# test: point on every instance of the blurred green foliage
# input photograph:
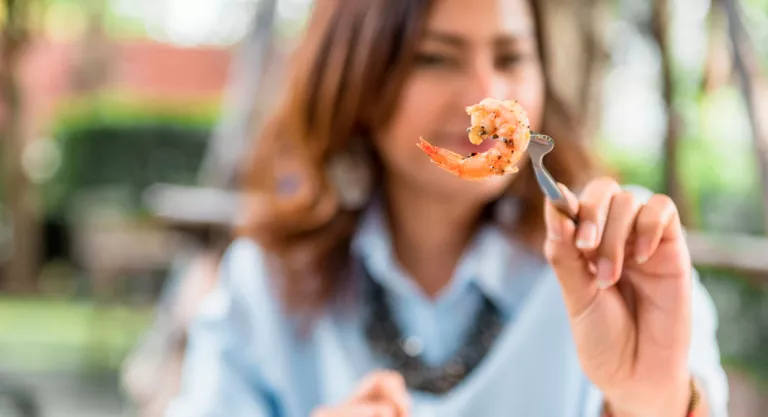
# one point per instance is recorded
(84, 334)
(716, 163)
(114, 145)
(742, 308)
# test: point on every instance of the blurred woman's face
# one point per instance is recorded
(471, 50)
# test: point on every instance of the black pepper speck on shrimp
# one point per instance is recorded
(503, 121)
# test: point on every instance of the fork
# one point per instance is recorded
(539, 146)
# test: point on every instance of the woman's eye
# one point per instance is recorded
(434, 60)
(510, 60)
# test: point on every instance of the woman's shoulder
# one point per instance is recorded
(242, 257)
(246, 280)
(244, 268)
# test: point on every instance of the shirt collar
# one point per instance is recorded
(498, 265)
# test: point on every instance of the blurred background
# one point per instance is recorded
(122, 125)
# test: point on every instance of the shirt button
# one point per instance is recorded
(413, 346)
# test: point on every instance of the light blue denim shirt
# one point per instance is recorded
(245, 357)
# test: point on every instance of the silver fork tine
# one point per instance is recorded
(539, 146)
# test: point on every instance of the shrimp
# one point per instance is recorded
(503, 121)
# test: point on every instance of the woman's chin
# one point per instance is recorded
(480, 191)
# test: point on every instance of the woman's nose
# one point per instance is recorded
(484, 81)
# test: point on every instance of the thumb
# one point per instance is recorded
(567, 261)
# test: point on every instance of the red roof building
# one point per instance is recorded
(141, 70)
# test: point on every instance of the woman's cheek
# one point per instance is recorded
(530, 92)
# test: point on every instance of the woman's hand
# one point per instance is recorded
(625, 272)
(381, 394)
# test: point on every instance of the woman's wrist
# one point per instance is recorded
(680, 402)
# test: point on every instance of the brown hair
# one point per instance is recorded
(347, 76)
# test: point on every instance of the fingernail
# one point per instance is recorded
(641, 251)
(587, 236)
(604, 273)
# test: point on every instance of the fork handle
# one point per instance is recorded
(554, 194)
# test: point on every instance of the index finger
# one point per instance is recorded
(568, 262)
(386, 386)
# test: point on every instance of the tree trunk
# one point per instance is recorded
(92, 69)
(592, 24)
(21, 270)
(660, 22)
(754, 88)
(232, 135)
(576, 55)
(718, 68)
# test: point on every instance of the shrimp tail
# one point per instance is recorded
(445, 159)
(505, 122)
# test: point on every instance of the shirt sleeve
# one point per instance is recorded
(218, 379)
(704, 355)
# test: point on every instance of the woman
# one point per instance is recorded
(479, 298)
